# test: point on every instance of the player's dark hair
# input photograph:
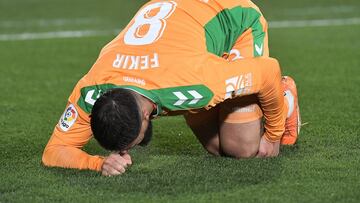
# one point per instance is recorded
(116, 119)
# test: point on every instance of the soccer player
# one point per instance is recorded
(205, 59)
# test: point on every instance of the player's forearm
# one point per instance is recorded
(70, 157)
(271, 97)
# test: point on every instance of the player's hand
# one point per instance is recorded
(267, 148)
(116, 164)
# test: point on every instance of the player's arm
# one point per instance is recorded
(69, 136)
(261, 76)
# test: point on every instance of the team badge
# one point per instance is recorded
(68, 118)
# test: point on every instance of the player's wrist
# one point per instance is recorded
(96, 163)
(271, 139)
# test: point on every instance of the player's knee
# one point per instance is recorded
(212, 148)
(240, 151)
(248, 152)
(241, 140)
(240, 148)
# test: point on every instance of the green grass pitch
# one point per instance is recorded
(37, 76)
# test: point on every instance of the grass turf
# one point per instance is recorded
(37, 76)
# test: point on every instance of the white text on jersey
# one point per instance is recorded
(136, 62)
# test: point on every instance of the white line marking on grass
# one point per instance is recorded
(54, 35)
(314, 23)
(91, 33)
(47, 22)
(318, 10)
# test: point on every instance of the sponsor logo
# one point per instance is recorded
(68, 118)
(238, 85)
(134, 80)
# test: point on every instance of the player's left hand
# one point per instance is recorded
(267, 148)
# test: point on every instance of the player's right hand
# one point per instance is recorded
(115, 164)
(267, 148)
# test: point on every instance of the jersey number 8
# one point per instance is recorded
(149, 24)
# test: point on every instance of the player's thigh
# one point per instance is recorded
(205, 126)
(240, 126)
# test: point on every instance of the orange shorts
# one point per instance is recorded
(240, 110)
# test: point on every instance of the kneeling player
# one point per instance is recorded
(235, 127)
(168, 60)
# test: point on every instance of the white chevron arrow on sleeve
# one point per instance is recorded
(259, 49)
(88, 97)
(182, 98)
(196, 96)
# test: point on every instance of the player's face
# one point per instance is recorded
(147, 136)
(144, 136)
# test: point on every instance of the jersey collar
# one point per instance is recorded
(147, 94)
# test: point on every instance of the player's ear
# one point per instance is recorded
(146, 114)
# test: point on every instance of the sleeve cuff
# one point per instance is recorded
(96, 162)
(272, 138)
